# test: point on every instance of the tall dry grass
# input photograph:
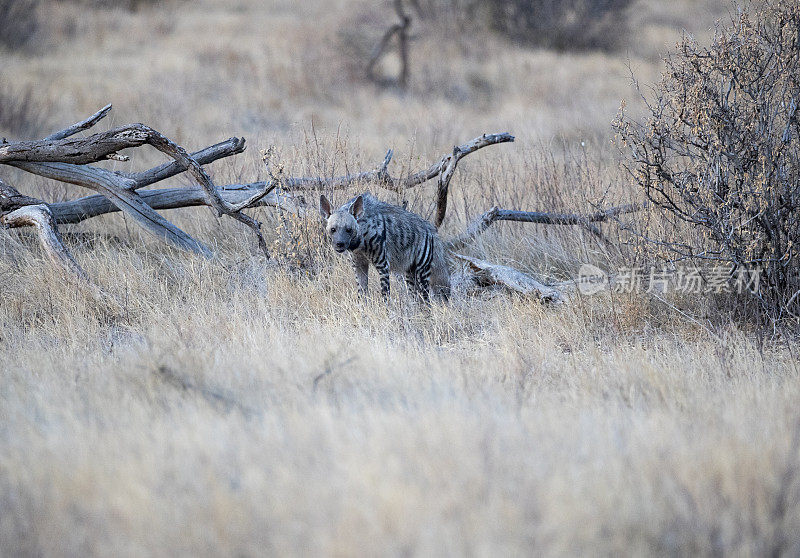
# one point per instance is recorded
(244, 406)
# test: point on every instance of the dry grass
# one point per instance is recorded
(244, 407)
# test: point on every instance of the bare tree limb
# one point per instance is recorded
(484, 221)
(66, 158)
(40, 156)
(231, 146)
(77, 151)
(381, 175)
(11, 199)
(78, 210)
(119, 191)
(436, 169)
(40, 217)
(82, 125)
(443, 186)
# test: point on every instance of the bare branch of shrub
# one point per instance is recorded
(719, 154)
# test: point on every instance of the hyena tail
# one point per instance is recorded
(440, 274)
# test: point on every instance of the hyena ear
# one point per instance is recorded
(358, 207)
(324, 206)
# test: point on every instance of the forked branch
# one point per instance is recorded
(63, 157)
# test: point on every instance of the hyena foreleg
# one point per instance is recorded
(382, 265)
(361, 268)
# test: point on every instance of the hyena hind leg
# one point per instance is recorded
(422, 282)
(383, 272)
(411, 280)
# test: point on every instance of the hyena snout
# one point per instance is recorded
(342, 235)
(341, 225)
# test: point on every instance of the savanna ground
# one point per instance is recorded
(241, 406)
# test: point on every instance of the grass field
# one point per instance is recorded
(240, 406)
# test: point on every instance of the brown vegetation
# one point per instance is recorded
(720, 152)
(241, 405)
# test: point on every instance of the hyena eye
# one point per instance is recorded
(349, 229)
(333, 229)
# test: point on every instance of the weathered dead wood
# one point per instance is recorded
(381, 176)
(248, 194)
(230, 146)
(437, 168)
(77, 151)
(11, 199)
(495, 214)
(119, 190)
(235, 195)
(82, 125)
(78, 210)
(65, 158)
(39, 216)
(487, 274)
(444, 185)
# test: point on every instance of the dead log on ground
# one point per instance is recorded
(487, 274)
(40, 217)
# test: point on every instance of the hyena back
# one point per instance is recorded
(393, 240)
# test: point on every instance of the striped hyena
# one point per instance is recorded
(393, 239)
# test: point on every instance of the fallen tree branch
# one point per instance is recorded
(11, 199)
(118, 190)
(78, 210)
(487, 274)
(40, 217)
(65, 158)
(82, 125)
(437, 168)
(484, 221)
(253, 194)
(381, 175)
(231, 146)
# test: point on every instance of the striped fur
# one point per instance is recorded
(393, 240)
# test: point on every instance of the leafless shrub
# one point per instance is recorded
(719, 153)
(18, 22)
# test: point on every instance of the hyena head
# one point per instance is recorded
(342, 224)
